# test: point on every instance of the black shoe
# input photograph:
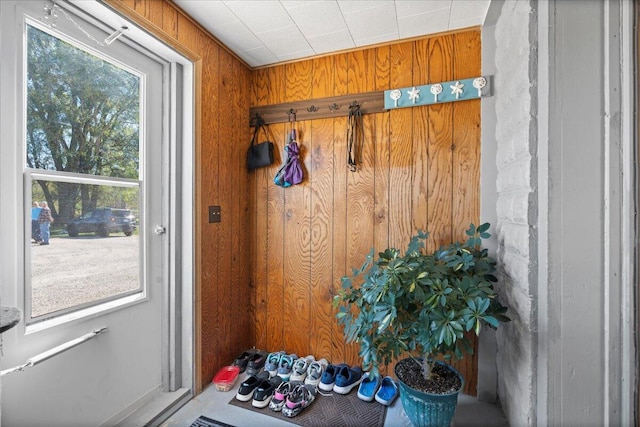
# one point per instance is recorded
(264, 392)
(248, 386)
(242, 360)
(43, 243)
(256, 362)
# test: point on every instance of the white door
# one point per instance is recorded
(84, 129)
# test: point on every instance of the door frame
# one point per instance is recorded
(177, 346)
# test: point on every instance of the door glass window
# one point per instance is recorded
(83, 176)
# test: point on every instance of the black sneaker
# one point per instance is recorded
(256, 362)
(242, 360)
(248, 386)
(264, 392)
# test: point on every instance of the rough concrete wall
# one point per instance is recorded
(515, 136)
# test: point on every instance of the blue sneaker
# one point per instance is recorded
(387, 392)
(272, 362)
(286, 365)
(328, 379)
(347, 378)
(369, 387)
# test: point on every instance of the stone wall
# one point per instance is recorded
(515, 97)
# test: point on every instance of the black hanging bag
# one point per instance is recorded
(261, 154)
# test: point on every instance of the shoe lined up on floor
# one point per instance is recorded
(387, 392)
(347, 378)
(299, 398)
(300, 368)
(314, 373)
(369, 387)
(264, 392)
(256, 362)
(252, 359)
(280, 395)
(285, 366)
(328, 379)
(272, 362)
(249, 385)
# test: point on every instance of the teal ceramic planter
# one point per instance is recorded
(426, 409)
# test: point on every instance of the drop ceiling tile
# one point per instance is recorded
(382, 38)
(464, 23)
(315, 19)
(208, 13)
(331, 42)
(260, 16)
(461, 10)
(425, 23)
(350, 6)
(372, 23)
(290, 4)
(418, 7)
(296, 55)
(236, 36)
(258, 56)
(284, 41)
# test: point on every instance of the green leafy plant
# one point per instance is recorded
(420, 304)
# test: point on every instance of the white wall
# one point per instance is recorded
(566, 197)
(514, 106)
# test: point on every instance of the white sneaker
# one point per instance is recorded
(300, 367)
(314, 373)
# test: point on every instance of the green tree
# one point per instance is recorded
(82, 117)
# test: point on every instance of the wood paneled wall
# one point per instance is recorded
(420, 170)
(266, 274)
(223, 251)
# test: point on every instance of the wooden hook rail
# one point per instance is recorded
(321, 108)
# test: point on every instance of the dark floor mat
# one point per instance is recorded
(334, 410)
(203, 421)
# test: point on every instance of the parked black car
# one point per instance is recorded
(103, 221)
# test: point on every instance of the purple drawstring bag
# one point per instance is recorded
(290, 173)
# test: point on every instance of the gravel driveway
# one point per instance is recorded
(72, 271)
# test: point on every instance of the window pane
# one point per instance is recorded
(93, 256)
(82, 111)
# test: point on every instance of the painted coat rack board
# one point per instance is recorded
(375, 102)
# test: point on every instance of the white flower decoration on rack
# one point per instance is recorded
(456, 89)
(414, 94)
(479, 83)
(436, 90)
(395, 94)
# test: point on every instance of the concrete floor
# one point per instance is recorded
(214, 404)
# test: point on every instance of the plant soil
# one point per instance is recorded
(443, 380)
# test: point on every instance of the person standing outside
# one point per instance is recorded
(44, 219)
(35, 226)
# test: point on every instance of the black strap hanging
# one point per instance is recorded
(355, 137)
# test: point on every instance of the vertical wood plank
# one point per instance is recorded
(259, 236)
(321, 188)
(360, 184)
(382, 152)
(466, 137)
(340, 268)
(420, 171)
(275, 227)
(439, 148)
(401, 155)
(206, 188)
(297, 248)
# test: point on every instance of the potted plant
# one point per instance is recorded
(421, 306)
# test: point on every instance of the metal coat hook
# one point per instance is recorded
(290, 113)
(312, 109)
(334, 107)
